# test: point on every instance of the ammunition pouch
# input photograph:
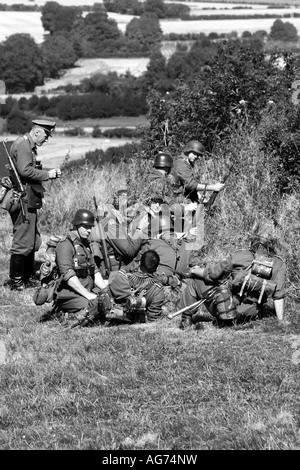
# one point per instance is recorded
(135, 309)
(83, 272)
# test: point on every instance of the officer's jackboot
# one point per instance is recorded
(16, 272)
(29, 271)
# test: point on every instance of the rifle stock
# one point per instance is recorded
(103, 240)
(16, 182)
(212, 198)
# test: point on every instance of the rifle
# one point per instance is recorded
(184, 309)
(16, 182)
(212, 198)
(102, 237)
(208, 296)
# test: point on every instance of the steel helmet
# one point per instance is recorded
(83, 217)
(194, 146)
(163, 160)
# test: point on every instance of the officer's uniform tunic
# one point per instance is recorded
(26, 238)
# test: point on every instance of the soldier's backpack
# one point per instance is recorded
(256, 281)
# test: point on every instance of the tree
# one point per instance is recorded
(58, 53)
(145, 32)
(124, 7)
(99, 35)
(21, 63)
(209, 107)
(156, 73)
(56, 17)
(17, 121)
(281, 31)
(155, 6)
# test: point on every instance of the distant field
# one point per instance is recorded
(190, 4)
(55, 151)
(29, 22)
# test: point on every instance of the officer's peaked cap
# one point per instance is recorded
(48, 126)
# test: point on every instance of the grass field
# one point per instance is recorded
(143, 386)
(150, 387)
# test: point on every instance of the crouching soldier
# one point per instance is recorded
(81, 280)
(247, 284)
(135, 297)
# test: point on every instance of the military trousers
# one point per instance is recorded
(26, 236)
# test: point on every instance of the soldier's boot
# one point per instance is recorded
(81, 320)
(29, 272)
(16, 272)
(105, 305)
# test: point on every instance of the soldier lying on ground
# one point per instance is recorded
(247, 284)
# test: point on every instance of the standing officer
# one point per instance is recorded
(26, 238)
(81, 280)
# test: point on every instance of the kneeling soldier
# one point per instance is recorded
(80, 279)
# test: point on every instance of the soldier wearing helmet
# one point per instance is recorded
(81, 280)
(160, 183)
(187, 184)
(249, 283)
(26, 238)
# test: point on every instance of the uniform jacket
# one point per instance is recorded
(162, 186)
(186, 181)
(174, 255)
(241, 260)
(23, 153)
(121, 247)
(74, 258)
(228, 269)
(122, 283)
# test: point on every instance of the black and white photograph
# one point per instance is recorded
(150, 227)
